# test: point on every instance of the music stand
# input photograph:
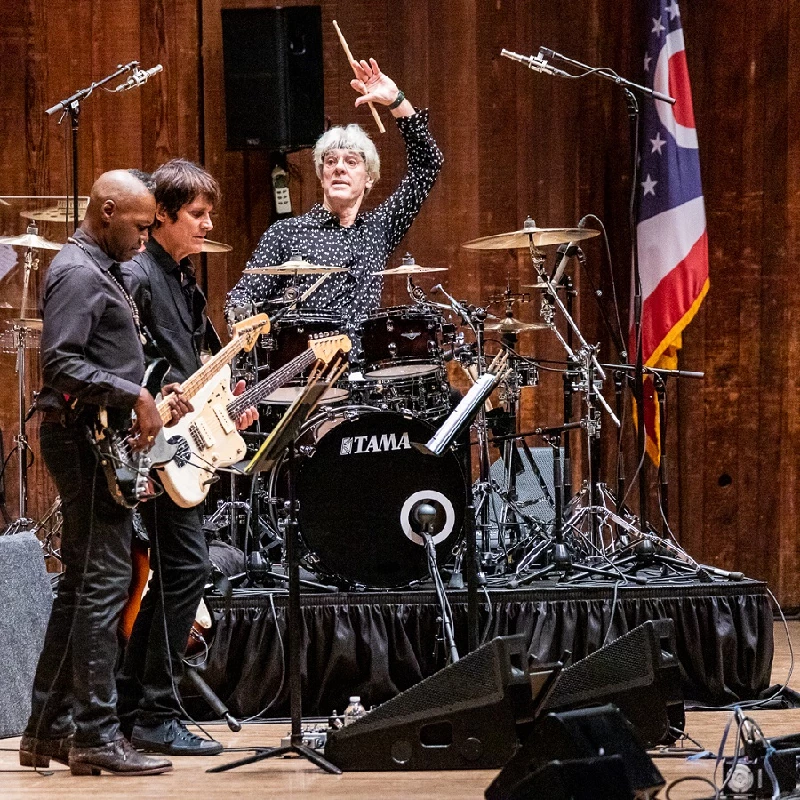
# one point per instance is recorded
(282, 438)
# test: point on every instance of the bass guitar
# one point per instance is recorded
(207, 439)
(127, 473)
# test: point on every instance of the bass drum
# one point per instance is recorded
(359, 486)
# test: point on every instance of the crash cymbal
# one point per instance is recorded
(30, 240)
(61, 212)
(512, 325)
(409, 269)
(294, 267)
(522, 237)
(31, 323)
(210, 246)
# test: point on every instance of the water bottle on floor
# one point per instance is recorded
(354, 710)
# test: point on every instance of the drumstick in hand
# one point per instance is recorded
(350, 58)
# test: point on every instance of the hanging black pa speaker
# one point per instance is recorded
(639, 673)
(463, 717)
(273, 77)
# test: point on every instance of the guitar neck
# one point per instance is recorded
(266, 387)
(195, 382)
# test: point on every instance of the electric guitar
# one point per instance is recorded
(207, 439)
(126, 472)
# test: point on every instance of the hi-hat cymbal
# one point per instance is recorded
(512, 325)
(294, 267)
(210, 246)
(540, 285)
(30, 240)
(409, 269)
(523, 237)
(62, 212)
(31, 323)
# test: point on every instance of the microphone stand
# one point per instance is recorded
(72, 106)
(632, 92)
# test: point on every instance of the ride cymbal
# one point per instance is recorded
(30, 240)
(512, 325)
(523, 237)
(210, 246)
(294, 267)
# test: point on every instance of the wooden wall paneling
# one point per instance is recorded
(115, 130)
(788, 468)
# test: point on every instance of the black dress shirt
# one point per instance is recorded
(90, 347)
(364, 248)
(172, 308)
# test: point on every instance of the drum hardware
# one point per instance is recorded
(425, 513)
(61, 212)
(21, 329)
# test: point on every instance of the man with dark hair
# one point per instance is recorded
(173, 310)
(92, 360)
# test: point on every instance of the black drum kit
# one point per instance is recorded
(363, 474)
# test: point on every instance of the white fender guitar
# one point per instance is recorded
(207, 439)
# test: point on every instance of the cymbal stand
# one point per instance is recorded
(21, 331)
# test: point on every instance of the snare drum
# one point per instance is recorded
(400, 342)
(288, 339)
(426, 396)
(359, 482)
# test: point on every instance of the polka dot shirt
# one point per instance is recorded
(363, 248)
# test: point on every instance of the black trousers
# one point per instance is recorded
(74, 683)
(153, 656)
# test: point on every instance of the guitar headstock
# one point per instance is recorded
(250, 329)
(327, 345)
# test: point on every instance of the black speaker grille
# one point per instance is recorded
(477, 679)
(629, 662)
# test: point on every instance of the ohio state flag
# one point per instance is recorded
(671, 224)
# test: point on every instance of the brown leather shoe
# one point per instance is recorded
(117, 757)
(38, 752)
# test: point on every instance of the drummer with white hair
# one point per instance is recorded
(337, 232)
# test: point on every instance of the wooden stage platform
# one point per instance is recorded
(298, 780)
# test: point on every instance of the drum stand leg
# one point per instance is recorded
(295, 745)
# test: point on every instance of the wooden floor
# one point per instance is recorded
(297, 780)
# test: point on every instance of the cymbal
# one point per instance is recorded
(540, 285)
(409, 269)
(30, 240)
(512, 325)
(523, 237)
(31, 323)
(210, 246)
(62, 212)
(294, 267)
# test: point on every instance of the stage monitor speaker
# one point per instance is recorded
(587, 754)
(272, 60)
(639, 673)
(463, 717)
(25, 601)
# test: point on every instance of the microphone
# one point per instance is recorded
(536, 63)
(138, 77)
(457, 307)
(564, 253)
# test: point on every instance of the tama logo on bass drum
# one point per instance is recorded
(382, 443)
